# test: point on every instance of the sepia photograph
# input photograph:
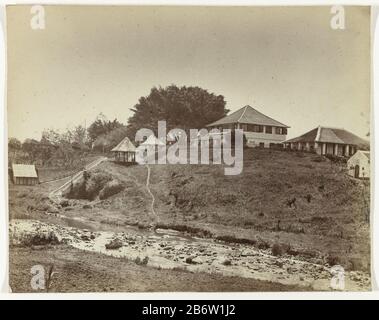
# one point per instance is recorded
(188, 148)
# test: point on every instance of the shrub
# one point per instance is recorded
(333, 260)
(277, 249)
(141, 262)
(262, 244)
(111, 188)
(90, 186)
(227, 262)
(40, 238)
(95, 183)
(114, 244)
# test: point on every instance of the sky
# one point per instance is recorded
(287, 62)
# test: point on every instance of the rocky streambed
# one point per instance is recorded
(169, 249)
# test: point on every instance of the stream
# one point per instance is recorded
(169, 249)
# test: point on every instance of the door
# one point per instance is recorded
(356, 171)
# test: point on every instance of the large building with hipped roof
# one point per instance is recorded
(260, 130)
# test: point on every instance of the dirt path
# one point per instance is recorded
(156, 217)
(56, 194)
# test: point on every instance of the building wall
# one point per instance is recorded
(124, 156)
(25, 181)
(254, 139)
(258, 139)
(323, 148)
(363, 163)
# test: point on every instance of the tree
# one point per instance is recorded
(102, 126)
(108, 141)
(14, 144)
(184, 108)
(50, 136)
(79, 137)
(32, 147)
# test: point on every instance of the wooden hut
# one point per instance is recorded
(25, 174)
(125, 151)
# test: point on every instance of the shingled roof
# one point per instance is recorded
(248, 115)
(125, 146)
(330, 135)
(24, 170)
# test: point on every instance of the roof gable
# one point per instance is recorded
(367, 154)
(309, 136)
(360, 154)
(248, 115)
(125, 146)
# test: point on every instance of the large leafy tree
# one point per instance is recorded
(102, 126)
(181, 107)
(107, 141)
(14, 144)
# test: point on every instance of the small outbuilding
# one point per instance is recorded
(125, 151)
(359, 165)
(24, 174)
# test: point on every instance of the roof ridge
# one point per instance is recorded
(243, 112)
(332, 128)
(267, 116)
(318, 133)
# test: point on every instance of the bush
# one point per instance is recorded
(333, 260)
(95, 183)
(277, 249)
(90, 186)
(40, 239)
(111, 188)
(141, 262)
(114, 244)
(227, 262)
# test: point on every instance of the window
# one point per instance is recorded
(261, 145)
(257, 128)
(268, 129)
(280, 130)
(244, 127)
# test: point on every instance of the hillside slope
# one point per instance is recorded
(295, 203)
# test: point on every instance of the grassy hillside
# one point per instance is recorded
(327, 220)
(295, 203)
